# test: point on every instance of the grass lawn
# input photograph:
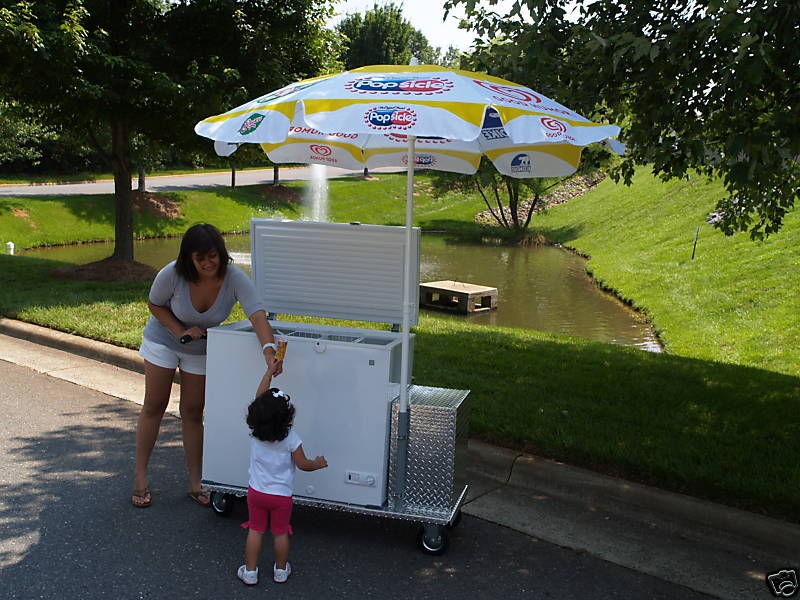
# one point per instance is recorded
(722, 424)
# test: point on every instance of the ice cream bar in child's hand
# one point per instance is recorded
(281, 352)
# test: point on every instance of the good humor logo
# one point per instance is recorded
(521, 96)
(521, 163)
(251, 123)
(408, 85)
(390, 117)
(783, 583)
(555, 129)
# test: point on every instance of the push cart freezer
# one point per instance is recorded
(345, 382)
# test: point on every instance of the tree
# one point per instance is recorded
(382, 36)
(510, 201)
(126, 67)
(697, 86)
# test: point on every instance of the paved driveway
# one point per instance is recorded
(67, 529)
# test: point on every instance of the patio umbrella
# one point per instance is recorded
(376, 116)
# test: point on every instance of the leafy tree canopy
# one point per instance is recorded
(706, 85)
(153, 68)
(382, 36)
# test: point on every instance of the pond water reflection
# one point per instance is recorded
(542, 288)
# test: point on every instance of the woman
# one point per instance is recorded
(189, 295)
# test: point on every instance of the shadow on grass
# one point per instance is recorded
(719, 431)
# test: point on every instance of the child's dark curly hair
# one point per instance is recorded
(270, 416)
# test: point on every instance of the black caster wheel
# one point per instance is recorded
(221, 504)
(433, 539)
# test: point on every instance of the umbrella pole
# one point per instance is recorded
(403, 420)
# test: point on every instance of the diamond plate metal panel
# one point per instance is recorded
(437, 443)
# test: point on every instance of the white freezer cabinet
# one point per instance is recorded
(341, 381)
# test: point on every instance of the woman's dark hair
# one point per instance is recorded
(270, 416)
(201, 238)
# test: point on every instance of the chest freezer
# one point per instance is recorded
(342, 380)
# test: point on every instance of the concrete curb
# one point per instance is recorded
(621, 496)
(100, 351)
(593, 491)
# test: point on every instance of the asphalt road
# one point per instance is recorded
(67, 529)
(167, 183)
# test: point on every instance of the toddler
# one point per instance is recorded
(275, 451)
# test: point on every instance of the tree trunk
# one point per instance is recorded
(275, 178)
(123, 212)
(142, 184)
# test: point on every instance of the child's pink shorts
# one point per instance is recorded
(268, 509)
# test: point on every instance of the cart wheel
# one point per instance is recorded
(433, 539)
(455, 522)
(221, 504)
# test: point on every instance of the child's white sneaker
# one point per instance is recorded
(247, 577)
(281, 575)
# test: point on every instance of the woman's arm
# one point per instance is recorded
(304, 464)
(265, 336)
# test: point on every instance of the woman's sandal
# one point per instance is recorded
(203, 497)
(141, 498)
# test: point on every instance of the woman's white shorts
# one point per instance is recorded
(162, 356)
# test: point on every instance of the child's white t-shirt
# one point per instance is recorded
(271, 465)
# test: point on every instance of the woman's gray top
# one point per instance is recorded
(172, 291)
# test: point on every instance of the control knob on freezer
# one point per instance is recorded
(319, 347)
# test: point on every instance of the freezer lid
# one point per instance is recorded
(335, 270)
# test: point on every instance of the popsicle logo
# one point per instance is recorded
(423, 161)
(406, 85)
(390, 117)
(401, 138)
(521, 163)
(320, 150)
(251, 123)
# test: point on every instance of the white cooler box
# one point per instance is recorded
(342, 380)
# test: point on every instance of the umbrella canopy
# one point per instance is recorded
(355, 151)
(362, 118)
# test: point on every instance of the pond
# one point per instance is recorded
(543, 288)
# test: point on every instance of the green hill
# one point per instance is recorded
(737, 301)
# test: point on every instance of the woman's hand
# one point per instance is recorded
(195, 333)
(275, 365)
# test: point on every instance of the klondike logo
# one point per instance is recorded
(251, 123)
